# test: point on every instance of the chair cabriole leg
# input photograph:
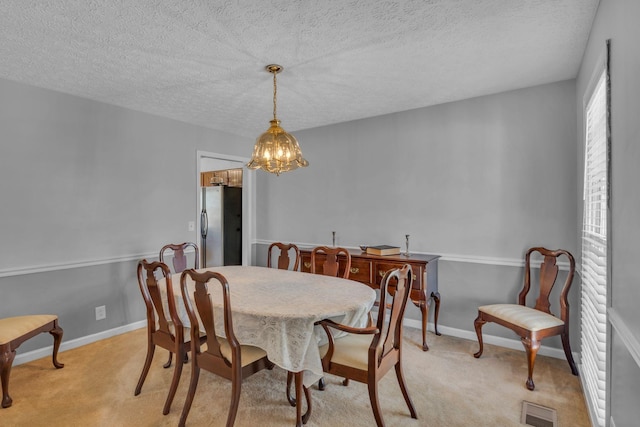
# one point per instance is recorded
(478, 323)
(531, 346)
(6, 360)
(57, 339)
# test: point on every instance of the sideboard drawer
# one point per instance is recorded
(361, 271)
(305, 265)
(382, 268)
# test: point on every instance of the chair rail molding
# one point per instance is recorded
(20, 271)
(507, 262)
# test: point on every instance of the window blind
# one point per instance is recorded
(594, 251)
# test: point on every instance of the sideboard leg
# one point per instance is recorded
(436, 298)
(424, 308)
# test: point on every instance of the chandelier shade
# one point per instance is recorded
(276, 150)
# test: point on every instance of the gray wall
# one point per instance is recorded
(478, 181)
(487, 177)
(87, 189)
(618, 20)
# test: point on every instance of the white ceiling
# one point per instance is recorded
(202, 61)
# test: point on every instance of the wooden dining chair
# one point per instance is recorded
(223, 356)
(325, 260)
(284, 260)
(367, 354)
(164, 329)
(533, 324)
(16, 330)
(179, 258)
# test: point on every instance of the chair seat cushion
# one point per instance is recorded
(15, 327)
(248, 353)
(350, 350)
(524, 317)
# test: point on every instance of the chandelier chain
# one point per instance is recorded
(275, 91)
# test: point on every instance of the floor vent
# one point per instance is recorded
(538, 416)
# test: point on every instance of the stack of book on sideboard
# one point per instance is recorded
(383, 250)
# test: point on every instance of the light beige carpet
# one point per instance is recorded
(449, 388)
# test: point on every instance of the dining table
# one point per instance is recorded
(277, 310)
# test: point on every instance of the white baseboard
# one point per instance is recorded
(78, 342)
(489, 339)
(411, 323)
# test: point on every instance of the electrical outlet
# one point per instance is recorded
(101, 312)
(191, 226)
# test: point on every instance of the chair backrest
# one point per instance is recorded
(331, 266)
(284, 261)
(179, 257)
(548, 276)
(149, 274)
(395, 286)
(200, 311)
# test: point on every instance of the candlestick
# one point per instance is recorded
(406, 236)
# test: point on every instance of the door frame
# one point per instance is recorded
(248, 197)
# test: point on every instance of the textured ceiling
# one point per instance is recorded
(202, 61)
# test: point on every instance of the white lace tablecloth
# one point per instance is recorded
(276, 311)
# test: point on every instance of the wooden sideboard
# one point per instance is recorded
(370, 269)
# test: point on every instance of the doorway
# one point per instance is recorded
(207, 162)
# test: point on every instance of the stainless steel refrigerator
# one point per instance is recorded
(221, 226)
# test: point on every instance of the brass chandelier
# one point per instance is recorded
(276, 150)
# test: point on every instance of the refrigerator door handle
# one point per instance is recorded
(204, 223)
